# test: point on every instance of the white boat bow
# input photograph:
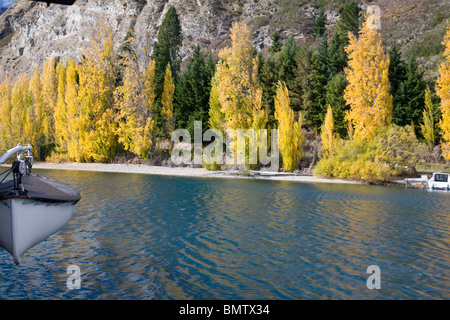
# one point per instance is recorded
(32, 208)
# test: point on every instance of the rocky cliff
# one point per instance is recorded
(32, 31)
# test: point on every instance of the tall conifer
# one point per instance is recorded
(166, 52)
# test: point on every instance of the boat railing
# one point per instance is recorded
(19, 149)
(19, 167)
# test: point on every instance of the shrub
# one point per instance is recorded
(212, 167)
(57, 157)
(386, 155)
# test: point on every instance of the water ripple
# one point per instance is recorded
(150, 237)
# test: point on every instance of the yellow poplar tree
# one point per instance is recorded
(216, 117)
(428, 121)
(5, 114)
(145, 139)
(291, 137)
(97, 76)
(443, 91)
(16, 108)
(368, 87)
(76, 125)
(239, 92)
(38, 105)
(20, 104)
(60, 114)
(49, 82)
(237, 74)
(167, 100)
(28, 116)
(327, 134)
(137, 95)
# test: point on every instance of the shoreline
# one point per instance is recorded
(188, 172)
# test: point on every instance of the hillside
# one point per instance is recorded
(31, 31)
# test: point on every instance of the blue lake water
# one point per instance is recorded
(154, 237)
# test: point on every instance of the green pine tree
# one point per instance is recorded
(192, 92)
(319, 74)
(268, 79)
(336, 54)
(276, 43)
(409, 97)
(318, 80)
(287, 59)
(416, 87)
(300, 92)
(165, 52)
(323, 54)
(335, 98)
(349, 21)
(278, 66)
(166, 49)
(319, 27)
(397, 71)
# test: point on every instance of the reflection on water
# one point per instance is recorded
(151, 237)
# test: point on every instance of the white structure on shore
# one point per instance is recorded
(438, 181)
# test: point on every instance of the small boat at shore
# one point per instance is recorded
(438, 181)
(32, 208)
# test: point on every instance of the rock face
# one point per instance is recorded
(31, 32)
(63, 31)
(34, 31)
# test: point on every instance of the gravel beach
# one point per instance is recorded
(187, 172)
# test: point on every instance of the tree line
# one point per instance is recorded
(345, 87)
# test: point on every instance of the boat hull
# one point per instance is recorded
(433, 185)
(27, 222)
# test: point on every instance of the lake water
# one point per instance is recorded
(154, 237)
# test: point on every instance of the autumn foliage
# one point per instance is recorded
(91, 109)
(443, 91)
(134, 99)
(167, 99)
(328, 135)
(237, 87)
(368, 87)
(239, 91)
(428, 119)
(291, 137)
